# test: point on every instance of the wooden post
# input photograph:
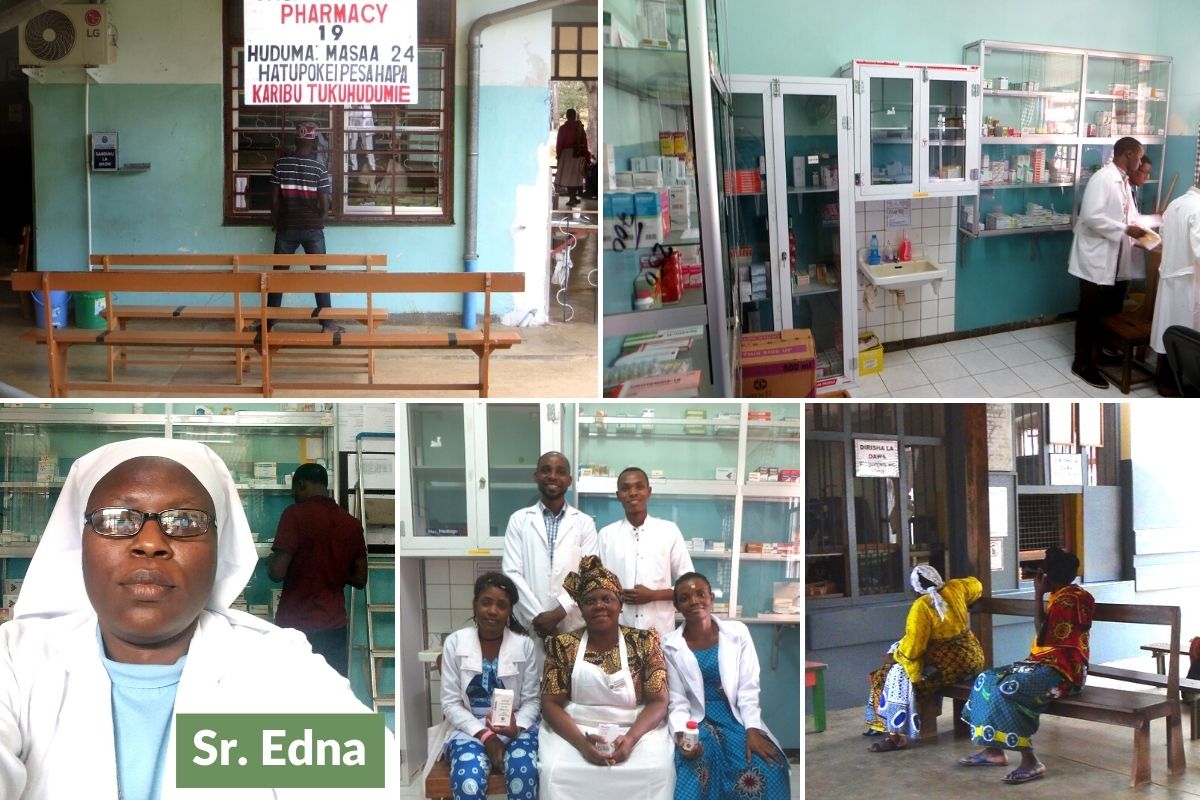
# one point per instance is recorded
(975, 470)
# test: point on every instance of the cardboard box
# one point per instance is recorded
(779, 364)
(870, 354)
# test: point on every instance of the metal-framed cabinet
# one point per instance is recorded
(726, 473)
(1051, 118)
(797, 249)
(916, 129)
(464, 469)
(667, 135)
(261, 444)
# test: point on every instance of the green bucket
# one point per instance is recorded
(89, 310)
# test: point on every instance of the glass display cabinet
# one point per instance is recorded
(667, 322)
(466, 469)
(726, 473)
(796, 260)
(917, 131)
(1051, 117)
(261, 444)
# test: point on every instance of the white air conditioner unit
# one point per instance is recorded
(68, 36)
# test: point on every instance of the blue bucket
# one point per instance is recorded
(58, 308)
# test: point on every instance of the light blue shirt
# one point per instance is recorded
(143, 705)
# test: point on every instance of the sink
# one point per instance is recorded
(902, 275)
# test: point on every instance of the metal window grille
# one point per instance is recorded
(1040, 522)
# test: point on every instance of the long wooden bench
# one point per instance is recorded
(1131, 709)
(119, 315)
(266, 342)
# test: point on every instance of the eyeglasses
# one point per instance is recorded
(124, 523)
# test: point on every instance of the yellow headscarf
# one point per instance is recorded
(592, 575)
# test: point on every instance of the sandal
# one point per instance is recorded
(980, 760)
(886, 746)
(1026, 774)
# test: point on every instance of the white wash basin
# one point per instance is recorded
(902, 275)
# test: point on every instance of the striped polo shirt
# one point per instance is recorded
(300, 181)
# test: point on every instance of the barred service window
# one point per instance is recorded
(389, 163)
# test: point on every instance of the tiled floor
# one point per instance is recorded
(1032, 362)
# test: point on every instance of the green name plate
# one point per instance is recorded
(279, 751)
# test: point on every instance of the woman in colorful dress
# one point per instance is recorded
(494, 654)
(1005, 704)
(938, 648)
(713, 676)
(604, 700)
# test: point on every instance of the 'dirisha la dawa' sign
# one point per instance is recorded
(344, 53)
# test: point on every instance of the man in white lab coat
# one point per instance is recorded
(1176, 288)
(1101, 251)
(542, 544)
(647, 554)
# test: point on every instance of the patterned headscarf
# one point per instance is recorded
(931, 575)
(592, 575)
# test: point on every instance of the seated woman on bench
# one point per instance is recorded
(1006, 702)
(938, 648)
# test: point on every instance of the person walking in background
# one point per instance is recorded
(1100, 252)
(300, 202)
(573, 157)
(647, 554)
(319, 549)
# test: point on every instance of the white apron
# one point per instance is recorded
(598, 697)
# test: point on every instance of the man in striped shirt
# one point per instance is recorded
(299, 205)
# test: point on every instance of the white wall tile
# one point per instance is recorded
(930, 218)
(875, 220)
(912, 329)
(892, 332)
(439, 621)
(462, 570)
(948, 201)
(916, 235)
(437, 597)
(437, 570)
(947, 236)
(931, 247)
(875, 317)
(876, 205)
(945, 324)
(947, 216)
(461, 597)
(929, 326)
(945, 306)
(947, 254)
(929, 309)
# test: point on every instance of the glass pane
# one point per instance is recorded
(617, 436)
(823, 416)
(568, 37)
(514, 440)
(873, 418)
(591, 37)
(755, 280)
(928, 515)
(773, 442)
(568, 65)
(947, 130)
(891, 130)
(439, 473)
(769, 582)
(877, 534)
(1031, 92)
(1025, 186)
(814, 225)
(826, 570)
(1126, 97)
(590, 66)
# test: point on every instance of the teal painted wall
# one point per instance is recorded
(763, 37)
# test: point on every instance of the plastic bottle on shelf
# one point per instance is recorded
(905, 253)
(873, 253)
(791, 247)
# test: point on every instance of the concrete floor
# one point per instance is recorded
(557, 360)
(1083, 760)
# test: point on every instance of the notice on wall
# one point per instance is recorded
(899, 214)
(997, 551)
(1066, 469)
(341, 53)
(876, 459)
(997, 511)
(1000, 437)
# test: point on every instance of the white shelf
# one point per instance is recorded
(607, 485)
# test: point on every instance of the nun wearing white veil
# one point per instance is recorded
(938, 648)
(124, 620)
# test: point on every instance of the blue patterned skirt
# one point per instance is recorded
(1006, 703)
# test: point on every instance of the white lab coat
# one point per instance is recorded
(655, 558)
(539, 578)
(1175, 303)
(738, 661)
(517, 668)
(56, 728)
(598, 698)
(1101, 249)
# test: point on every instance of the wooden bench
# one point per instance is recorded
(437, 784)
(1131, 709)
(266, 342)
(118, 316)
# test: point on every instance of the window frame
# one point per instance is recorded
(337, 137)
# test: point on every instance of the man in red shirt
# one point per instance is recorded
(318, 549)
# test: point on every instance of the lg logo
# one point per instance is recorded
(760, 384)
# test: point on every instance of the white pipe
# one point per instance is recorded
(87, 163)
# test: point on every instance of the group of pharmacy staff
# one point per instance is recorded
(610, 698)
(124, 621)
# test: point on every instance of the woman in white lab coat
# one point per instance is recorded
(604, 701)
(124, 620)
(493, 654)
(713, 671)
(1175, 302)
